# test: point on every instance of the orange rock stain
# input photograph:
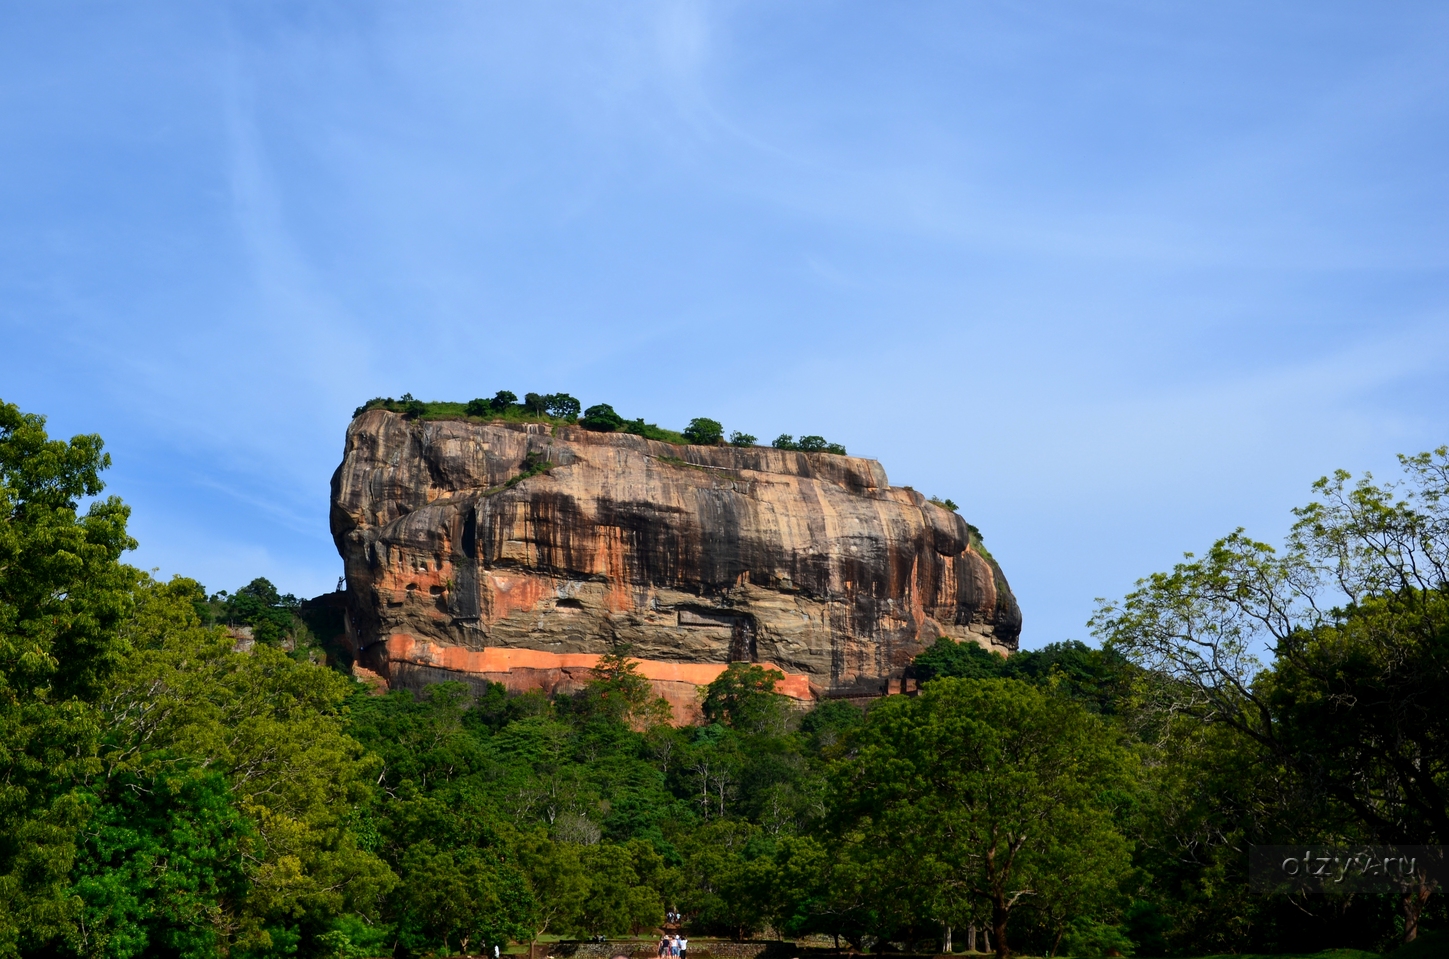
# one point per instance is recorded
(522, 669)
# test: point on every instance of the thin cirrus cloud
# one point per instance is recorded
(1118, 277)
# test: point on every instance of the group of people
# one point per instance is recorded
(673, 947)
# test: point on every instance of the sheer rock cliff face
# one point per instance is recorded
(690, 557)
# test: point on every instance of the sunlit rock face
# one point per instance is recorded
(689, 557)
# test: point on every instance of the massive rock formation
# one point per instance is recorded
(519, 552)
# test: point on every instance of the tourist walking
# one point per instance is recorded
(683, 947)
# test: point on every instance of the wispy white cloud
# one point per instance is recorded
(1084, 264)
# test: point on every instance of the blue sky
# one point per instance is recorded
(1116, 277)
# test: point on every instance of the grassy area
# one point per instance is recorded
(1429, 945)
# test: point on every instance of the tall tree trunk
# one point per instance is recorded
(1414, 901)
(998, 927)
(946, 940)
(971, 937)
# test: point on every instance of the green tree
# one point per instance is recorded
(351, 937)
(63, 592)
(561, 405)
(811, 444)
(272, 616)
(785, 442)
(1355, 611)
(160, 864)
(502, 400)
(829, 724)
(462, 896)
(556, 877)
(703, 431)
(478, 407)
(601, 418)
(743, 697)
(742, 439)
(712, 767)
(1102, 679)
(983, 787)
(617, 692)
(964, 660)
(535, 403)
(273, 727)
(730, 878)
(625, 888)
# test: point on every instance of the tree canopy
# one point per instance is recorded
(703, 431)
(991, 796)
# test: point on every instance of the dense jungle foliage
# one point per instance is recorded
(601, 418)
(166, 791)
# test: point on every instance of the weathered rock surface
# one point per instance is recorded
(692, 557)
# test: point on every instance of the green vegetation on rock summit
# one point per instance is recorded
(562, 408)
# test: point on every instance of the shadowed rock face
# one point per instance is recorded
(692, 557)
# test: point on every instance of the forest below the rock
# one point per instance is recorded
(166, 792)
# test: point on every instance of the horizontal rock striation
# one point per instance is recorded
(518, 553)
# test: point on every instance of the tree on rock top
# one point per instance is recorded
(703, 431)
(601, 418)
(561, 405)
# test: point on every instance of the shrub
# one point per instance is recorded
(478, 408)
(703, 431)
(412, 408)
(601, 418)
(741, 439)
(944, 503)
(650, 431)
(374, 403)
(807, 444)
